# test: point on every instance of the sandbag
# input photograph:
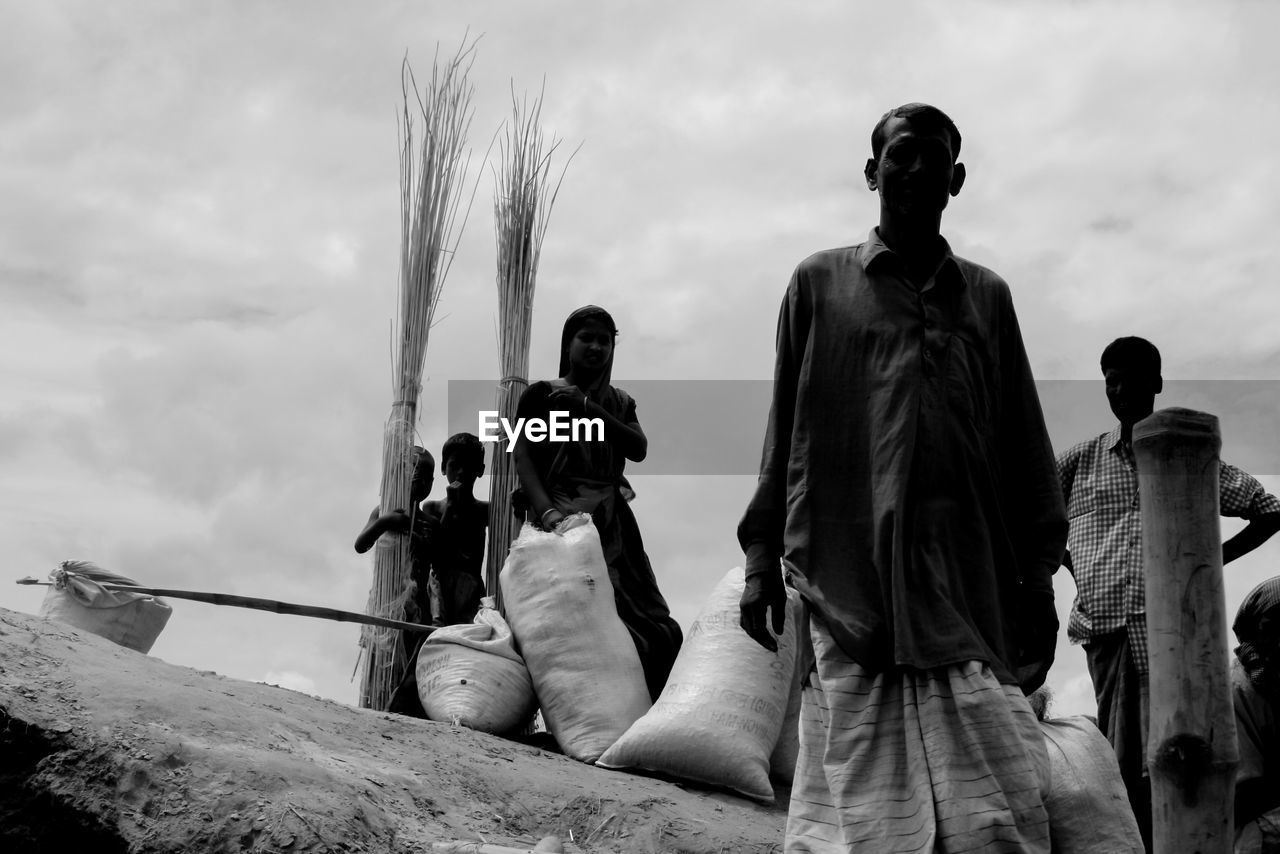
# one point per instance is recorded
(1089, 811)
(1260, 836)
(782, 762)
(584, 665)
(77, 598)
(719, 716)
(471, 675)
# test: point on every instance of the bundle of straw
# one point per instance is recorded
(430, 172)
(522, 201)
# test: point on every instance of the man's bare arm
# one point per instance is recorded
(1257, 532)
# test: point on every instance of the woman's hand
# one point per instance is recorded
(571, 397)
(550, 519)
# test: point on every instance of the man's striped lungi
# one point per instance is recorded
(946, 760)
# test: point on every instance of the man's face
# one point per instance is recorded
(916, 173)
(1131, 393)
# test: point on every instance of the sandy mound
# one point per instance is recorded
(107, 750)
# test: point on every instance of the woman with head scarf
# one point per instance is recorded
(1255, 689)
(584, 475)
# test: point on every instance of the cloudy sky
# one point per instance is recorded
(199, 238)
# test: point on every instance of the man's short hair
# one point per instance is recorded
(465, 447)
(1132, 353)
(923, 117)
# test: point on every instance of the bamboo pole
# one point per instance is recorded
(547, 844)
(273, 605)
(485, 848)
(1191, 740)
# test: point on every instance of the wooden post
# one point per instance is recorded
(1191, 737)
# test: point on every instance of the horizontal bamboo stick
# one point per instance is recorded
(487, 848)
(272, 605)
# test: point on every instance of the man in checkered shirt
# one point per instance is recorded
(1100, 485)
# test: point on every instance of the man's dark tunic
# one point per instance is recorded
(908, 479)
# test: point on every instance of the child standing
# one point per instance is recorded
(418, 605)
(585, 476)
(446, 548)
(456, 527)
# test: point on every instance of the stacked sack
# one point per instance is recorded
(782, 762)
(584, 666)
(471, 675)
(77, 598)
(719, 718)
(1088, 806)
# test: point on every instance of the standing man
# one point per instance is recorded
(908, 487)
(1100, 484)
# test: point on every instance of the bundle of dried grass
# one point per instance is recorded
(522, 200)
(432, 169)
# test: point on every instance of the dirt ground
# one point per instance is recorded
(108, 750)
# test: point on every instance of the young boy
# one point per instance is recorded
(418, 608)
(456, 531)
(446, 543)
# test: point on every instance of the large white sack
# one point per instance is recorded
(718, 719)
(1260, 836)
(585, 668)
(782, 762)
(1089, 811)
(471, 675)
(77, 598)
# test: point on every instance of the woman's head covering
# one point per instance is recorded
(1259, 651)
(576, 321)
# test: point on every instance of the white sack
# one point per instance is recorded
(1088, 806)
(77, 598)
(786, 752)
(585, 668)
(719, 716)
(471, 675)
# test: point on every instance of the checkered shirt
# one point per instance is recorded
(1100, 485)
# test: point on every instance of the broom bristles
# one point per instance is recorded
(429, 235)
(523, 198)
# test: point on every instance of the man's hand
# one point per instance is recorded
(764, 591)
(1037, 623)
